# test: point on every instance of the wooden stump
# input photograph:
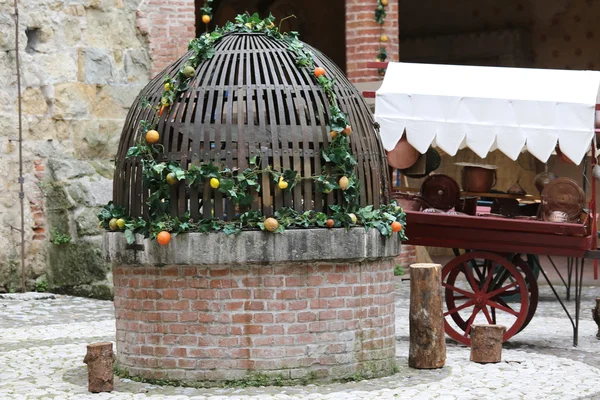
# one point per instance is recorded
(486, 343)
(596, 316)
(99, 359)
(427, 337)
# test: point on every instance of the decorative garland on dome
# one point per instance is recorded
(239, 186)
(380, 15)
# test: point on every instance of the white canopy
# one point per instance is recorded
(488, 108)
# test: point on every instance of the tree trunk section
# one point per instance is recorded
(99, 359)
(596, 316)
(486, 343)
(427, 337)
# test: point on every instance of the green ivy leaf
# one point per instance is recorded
(129, 236)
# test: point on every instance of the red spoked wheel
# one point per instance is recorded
(476, 284)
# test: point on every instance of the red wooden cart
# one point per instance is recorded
(493, 280)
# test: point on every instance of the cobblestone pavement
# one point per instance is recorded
(43, 341)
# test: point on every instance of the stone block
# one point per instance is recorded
(97, 139)
(52, 67)
(91, 192)
(73, 100)
(64, 169)
(43, 128)
(111, 29)
(7, 32)
(97, 66)
(86, 221)
(71, 31)
(137, 65)
(56, 197)
(115, 101)
(76, 263)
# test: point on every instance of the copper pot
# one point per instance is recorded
(478, 178)
(409, 202)
(542, 179)
(467, 205)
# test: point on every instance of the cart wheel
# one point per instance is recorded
(475, 283)
(532, 289)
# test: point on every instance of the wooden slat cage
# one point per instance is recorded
(250, 99)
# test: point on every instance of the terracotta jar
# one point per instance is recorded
(403, 155)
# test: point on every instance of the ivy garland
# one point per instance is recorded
(207, 12)
(240, 186)
(380, 15)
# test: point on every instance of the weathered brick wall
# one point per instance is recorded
(198, 323)
(362, 38)
(407, 256)
(168, 26)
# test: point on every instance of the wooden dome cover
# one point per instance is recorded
(250, 100)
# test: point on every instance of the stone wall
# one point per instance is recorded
(82, 64)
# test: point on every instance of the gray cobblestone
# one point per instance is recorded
(43, 341)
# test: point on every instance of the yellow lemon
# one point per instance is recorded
(344, 182)
(282, 184)
(214, 183)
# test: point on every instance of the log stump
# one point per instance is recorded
(100, 359)
(427, 337)
(596, 316)
(486, 343)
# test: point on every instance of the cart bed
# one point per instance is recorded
(497, 234)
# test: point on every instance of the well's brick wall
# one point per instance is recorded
(198, 323)
(407, 256)
(362, 38)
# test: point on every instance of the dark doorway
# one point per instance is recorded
(319, 23)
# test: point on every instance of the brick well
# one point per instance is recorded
(290, 320)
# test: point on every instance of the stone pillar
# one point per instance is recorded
(312, 304)
(363, 38)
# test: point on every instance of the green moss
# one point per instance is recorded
(103, 168)
(253, 379)
(76, 263)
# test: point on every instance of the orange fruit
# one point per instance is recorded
(330, 223)
(152, 136)
(384, 38)
(333, 134)
(347, 130)
(271, 224)
(344, 182)
(163, 238)
(384, 2)
(206, 18)
(319, 71)
(396, 226)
